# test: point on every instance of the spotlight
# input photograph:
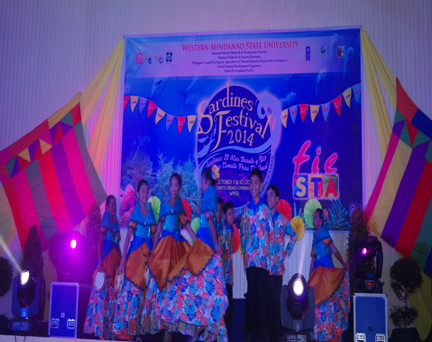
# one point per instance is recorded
(70, 253)
(297, 308)
(298, 287)
(27, 301)
(297, 297)
(24, 277)
(368, 260)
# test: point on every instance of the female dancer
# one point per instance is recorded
(170, 247)
(195, 300)
(100, 312)
(331, 285)
(130, 300)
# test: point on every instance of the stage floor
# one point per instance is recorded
(17, 338)
(20, 338)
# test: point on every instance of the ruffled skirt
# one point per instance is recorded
(195, 300)
(332, 302)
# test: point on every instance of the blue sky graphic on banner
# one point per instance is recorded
(287, 102)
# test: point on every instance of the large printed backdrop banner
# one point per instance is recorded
(48, 176)
(286, 102)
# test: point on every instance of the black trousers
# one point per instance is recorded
(256, 302)
(229, 312)
(274, 307)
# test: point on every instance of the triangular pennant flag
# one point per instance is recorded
(76, 114)
(56, 133)
(142, 103)
(67, 119)
(405, 134)
(325, 110)
(151, 107)
(159, 115)
(314, 111)
(65, 127)
(44, 146)
(303, 110)
(412, 132)
(347, 96)
(398, 116)
(12, 166)
(25, 155)
(180, 123)
(404, 103)
(284, 117)
(357, 90)
(23, 163)
(420, 138)
(125, 102)
(337, 103)
(35, 150)
(133, 102)
(169, 121)
(293, 112)
(191, 120)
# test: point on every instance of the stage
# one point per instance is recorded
(17, 338)
(21, 338)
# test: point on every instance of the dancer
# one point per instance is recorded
(130, 300)
(281, 228)
(256, 225)
(169, 248)
(331, 285)
(225, 241)
(100, 311)
(195, 300)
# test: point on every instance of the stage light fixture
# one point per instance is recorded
(27, 302)
(73, 244)
(70, 253)
(298, 287)
(297, 309)
(24, 277)
(368, 260)
(297, 297)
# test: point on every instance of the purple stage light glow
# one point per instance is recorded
(364, 251)
(73, 244)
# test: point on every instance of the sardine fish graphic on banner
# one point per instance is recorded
(237, 131)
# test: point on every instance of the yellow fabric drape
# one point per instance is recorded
(108, 77)
(375, 66)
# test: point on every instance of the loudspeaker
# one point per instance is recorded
(68, 306)
(370, 317)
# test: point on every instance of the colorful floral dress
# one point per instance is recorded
(168, 251)
(130, 299)
(281, 227)
(100, 312)
(195, 301)
(331, 286)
